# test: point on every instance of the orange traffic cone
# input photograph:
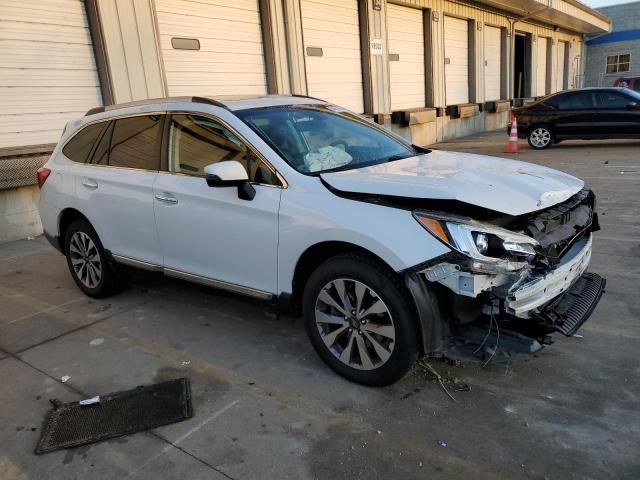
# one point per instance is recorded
(512, 144)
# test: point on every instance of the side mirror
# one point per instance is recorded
(230, 174)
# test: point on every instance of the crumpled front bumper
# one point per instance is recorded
(525, 298)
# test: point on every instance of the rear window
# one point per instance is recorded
(129, 142)
(79, 147)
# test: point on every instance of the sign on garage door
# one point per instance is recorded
(406, 57)
(541, 66)
(230, 58)
(48, 72)
(331, 32)
(492, 63)
(456, 62)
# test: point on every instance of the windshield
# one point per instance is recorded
(322, 138)
(632, 93)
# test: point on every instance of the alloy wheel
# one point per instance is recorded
(355, 324)
(85, 259)
(540, 137)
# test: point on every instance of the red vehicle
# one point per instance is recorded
(630, 82)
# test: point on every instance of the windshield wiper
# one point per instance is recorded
(393, 158)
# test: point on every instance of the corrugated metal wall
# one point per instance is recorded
(47, 70)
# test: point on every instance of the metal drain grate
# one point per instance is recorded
(116, 414)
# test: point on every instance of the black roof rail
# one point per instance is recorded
(307, 96)
(151, 101)
(94, 110)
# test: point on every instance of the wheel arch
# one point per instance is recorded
(67, 217)
(291, 303)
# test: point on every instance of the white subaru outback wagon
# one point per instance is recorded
(388, 250)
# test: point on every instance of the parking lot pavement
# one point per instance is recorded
(266, 407)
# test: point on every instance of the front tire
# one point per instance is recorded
(360, 320)
(540, 137)
(90, 268)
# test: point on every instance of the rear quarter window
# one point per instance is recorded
(79, 147)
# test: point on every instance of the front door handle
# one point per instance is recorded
(166, 198)
(91, 184)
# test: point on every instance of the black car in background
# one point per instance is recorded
(588, 113)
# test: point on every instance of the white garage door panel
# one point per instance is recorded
(333, 25)
(456, 71)
(406, 39)
(231, 57)
(541, 67)
(48, 73)
(493, 59)
(560, 66)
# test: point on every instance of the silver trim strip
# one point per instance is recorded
(170, 272)
(232, 287)
(132, 262)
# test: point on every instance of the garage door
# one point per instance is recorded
(456, 61)
(331, 34)
(406, 57)
(230, 58)
(541, 67)
(47, 70)
(492, 63)
(560, 71)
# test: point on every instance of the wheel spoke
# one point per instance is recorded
(326, 298)
(383, 330)
(322, 317)
(365, 359)
(345, 356)
(330, 338)
(382, 352)
(376, 308)
(93, 278)
(360, 291)
(76, 261)
(341, 288)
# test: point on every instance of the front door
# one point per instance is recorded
(209, 231)
(615, 118)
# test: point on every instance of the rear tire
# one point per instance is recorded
(95, 274)
(361, 320)
(540, 137)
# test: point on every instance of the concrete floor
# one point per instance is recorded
(266, 407)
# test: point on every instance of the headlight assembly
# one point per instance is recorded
(492, 249)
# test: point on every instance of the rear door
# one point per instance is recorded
(209, 232)
(573, 114)
(615, 116)
(114, 186)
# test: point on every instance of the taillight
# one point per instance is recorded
(43, 174)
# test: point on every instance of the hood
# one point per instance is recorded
(505, 186)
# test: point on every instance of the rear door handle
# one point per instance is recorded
(166, 198)
(87, 182)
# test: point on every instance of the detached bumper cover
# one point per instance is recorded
(523, 299)
(570, 311)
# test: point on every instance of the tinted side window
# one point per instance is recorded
(79, 147)
(612, 100)
(195, 142)
(135, 143)
(575, 101)
(101, 152)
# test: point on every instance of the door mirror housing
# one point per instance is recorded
(230, 173)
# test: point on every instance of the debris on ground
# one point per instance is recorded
(442, 443)
(65, 379)
(458, 386)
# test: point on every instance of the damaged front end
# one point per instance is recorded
(511, 281)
